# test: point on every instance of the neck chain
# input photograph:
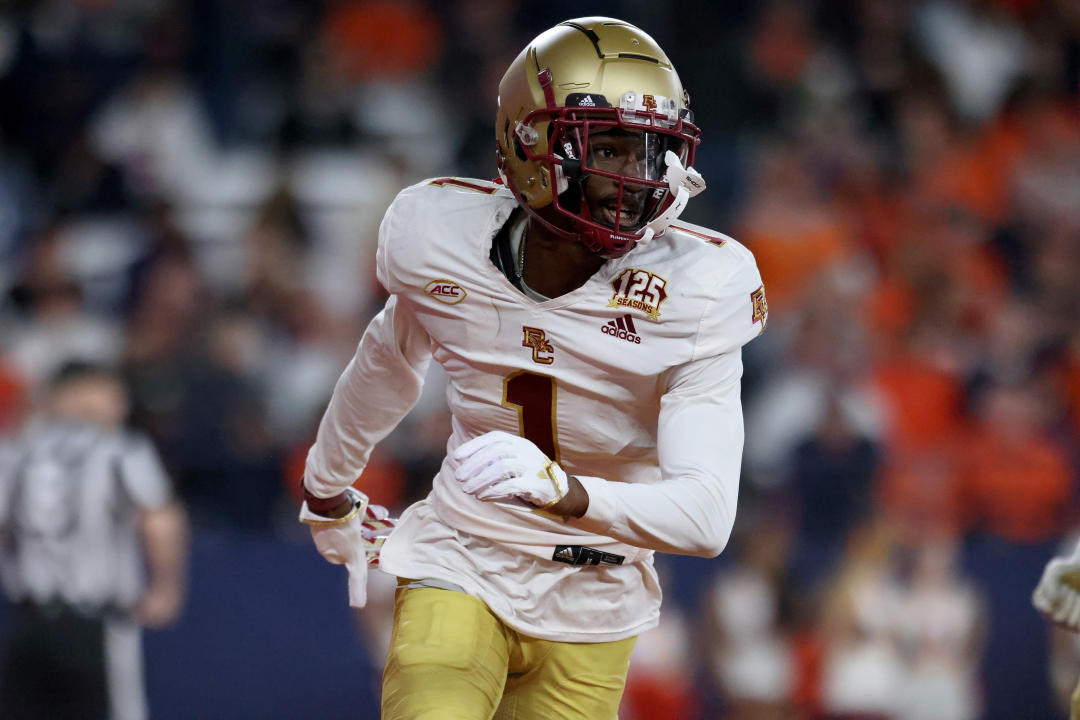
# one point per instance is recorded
(521, 253)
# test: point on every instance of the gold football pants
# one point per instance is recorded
(450, 658)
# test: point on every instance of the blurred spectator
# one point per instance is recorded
(863, 670)
(54, 324)
(660, 680)
(1017, 484)
(357, 32)
(1016, 490)
(832, 478)
(822, 377)
(939, 622)
(979, 48)
(157, 130)
(750, 650)
(83, 504)
(794, 233)
(228, 467)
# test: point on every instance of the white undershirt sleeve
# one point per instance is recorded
(377, 389)
(691, 511)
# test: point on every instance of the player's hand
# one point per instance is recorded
(501, 466)
(353, 540)
(1057, 596)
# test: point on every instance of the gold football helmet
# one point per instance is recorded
(591, 77)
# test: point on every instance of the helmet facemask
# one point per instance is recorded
(609, 165)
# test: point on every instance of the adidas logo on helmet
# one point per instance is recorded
(622, 328)
(586, 101)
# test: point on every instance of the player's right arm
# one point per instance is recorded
(379, 386)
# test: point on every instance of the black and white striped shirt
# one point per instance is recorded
(70, 495)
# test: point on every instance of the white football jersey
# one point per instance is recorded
(630, 382)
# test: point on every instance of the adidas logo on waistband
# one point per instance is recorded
(622, 328)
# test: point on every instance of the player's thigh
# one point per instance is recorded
(568, 681)
(447, 658)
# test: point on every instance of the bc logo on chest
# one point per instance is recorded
(542, 350)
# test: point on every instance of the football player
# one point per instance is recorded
(1057, 597)
(593, 348)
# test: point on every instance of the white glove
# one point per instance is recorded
(353, 540)
(501, 466)
(684, 183)
(1057, 596)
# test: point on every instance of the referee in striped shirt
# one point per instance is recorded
(92, 547)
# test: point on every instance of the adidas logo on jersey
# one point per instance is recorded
(586, 101)
(580, 555)
(622, 328)
(564, 553)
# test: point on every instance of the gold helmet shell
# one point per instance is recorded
(598, 67)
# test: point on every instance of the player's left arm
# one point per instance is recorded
(699, 430)
(699, 444)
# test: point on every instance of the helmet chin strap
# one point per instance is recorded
(684, 184)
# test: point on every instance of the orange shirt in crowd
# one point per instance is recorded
(792, 251)
(923, 402)
(1017, 489)
(379, 40)
(919, 493)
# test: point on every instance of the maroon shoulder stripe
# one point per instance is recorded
(443, 182)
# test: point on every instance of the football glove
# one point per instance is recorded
(353, 540)
(1057, 596)
(501, 466)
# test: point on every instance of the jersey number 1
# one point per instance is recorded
(533, 395)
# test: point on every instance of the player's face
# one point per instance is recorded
(629, 154)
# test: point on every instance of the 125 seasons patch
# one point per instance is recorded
(639, 290)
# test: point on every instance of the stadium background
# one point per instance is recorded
(192, 190)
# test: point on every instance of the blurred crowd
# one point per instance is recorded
(191, 189)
